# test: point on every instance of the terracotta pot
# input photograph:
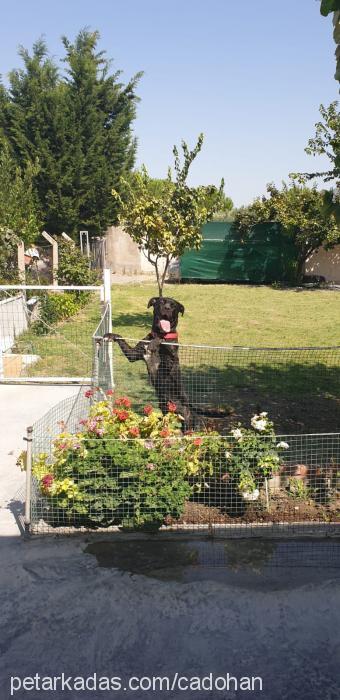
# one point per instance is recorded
(274, 483)
(301, 471)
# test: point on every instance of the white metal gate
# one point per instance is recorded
(35, 348)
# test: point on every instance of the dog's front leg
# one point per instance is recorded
(132, 354)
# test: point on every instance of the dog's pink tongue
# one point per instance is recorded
(165, 326)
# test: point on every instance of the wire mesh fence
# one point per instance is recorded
(47, 334)
(102, 369)
(223, 479)
(215, 484)
(298, 387)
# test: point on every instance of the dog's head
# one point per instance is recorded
(165, 314)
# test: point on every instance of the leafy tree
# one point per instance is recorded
(326, 7)
(326, 142)
(35, 121)
(301, 212)
(77, 125)
(102, 111)
(19, 219)
(165, 217)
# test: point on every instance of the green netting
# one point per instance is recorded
(266, 256)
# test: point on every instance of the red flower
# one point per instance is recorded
(121, 415)
(148, 409)
(123, 401)
(47, 481)
(198, 441)
(172, 408)
(88, 393)
(134, 432)
(109, 392)
(164, 433)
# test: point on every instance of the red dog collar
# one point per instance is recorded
(171, 336)
(167, 336)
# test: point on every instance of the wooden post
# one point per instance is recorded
(67, 238)
(54, 245)
(21, 262)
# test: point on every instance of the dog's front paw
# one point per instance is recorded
(111, 337)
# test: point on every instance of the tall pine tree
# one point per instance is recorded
(102, 111)
(78, 127)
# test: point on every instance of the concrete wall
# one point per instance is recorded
(13, 320)
(123, 255)
(325, 263)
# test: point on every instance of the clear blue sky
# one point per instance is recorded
(250, 74)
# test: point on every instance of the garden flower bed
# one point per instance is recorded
(141, 472)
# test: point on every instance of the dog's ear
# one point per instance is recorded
(152, 302)
(180, 308)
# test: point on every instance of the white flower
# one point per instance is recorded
(259, 423)
(283, 445)
(228, 454)
(264, 414)
(237, 433)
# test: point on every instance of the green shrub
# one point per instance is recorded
(254, 454)
(56, 306)
(119, 470)
(73, 267)
(298, 489)
(139, 470)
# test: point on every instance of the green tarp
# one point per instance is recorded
(266, 256)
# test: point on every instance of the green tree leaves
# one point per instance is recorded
(301, 212)
(165, 216)
(328, 6)
(78, 125)
(19, 218)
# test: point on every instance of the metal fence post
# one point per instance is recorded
(107, 301)
(27, 519)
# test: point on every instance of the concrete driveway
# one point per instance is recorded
(20, 406)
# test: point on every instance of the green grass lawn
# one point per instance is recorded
(301, 390)
(236, 314)
(66, 352)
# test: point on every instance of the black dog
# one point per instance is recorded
(159, 350)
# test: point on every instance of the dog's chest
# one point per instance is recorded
(152, 357)
(160, 360)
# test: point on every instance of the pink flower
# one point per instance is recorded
(88, 393)
(92, 425)
(150, 466)
(63, 446)
(172, 408)
(149, 444)
(100, 432)
(47, 481)
(148, 409)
